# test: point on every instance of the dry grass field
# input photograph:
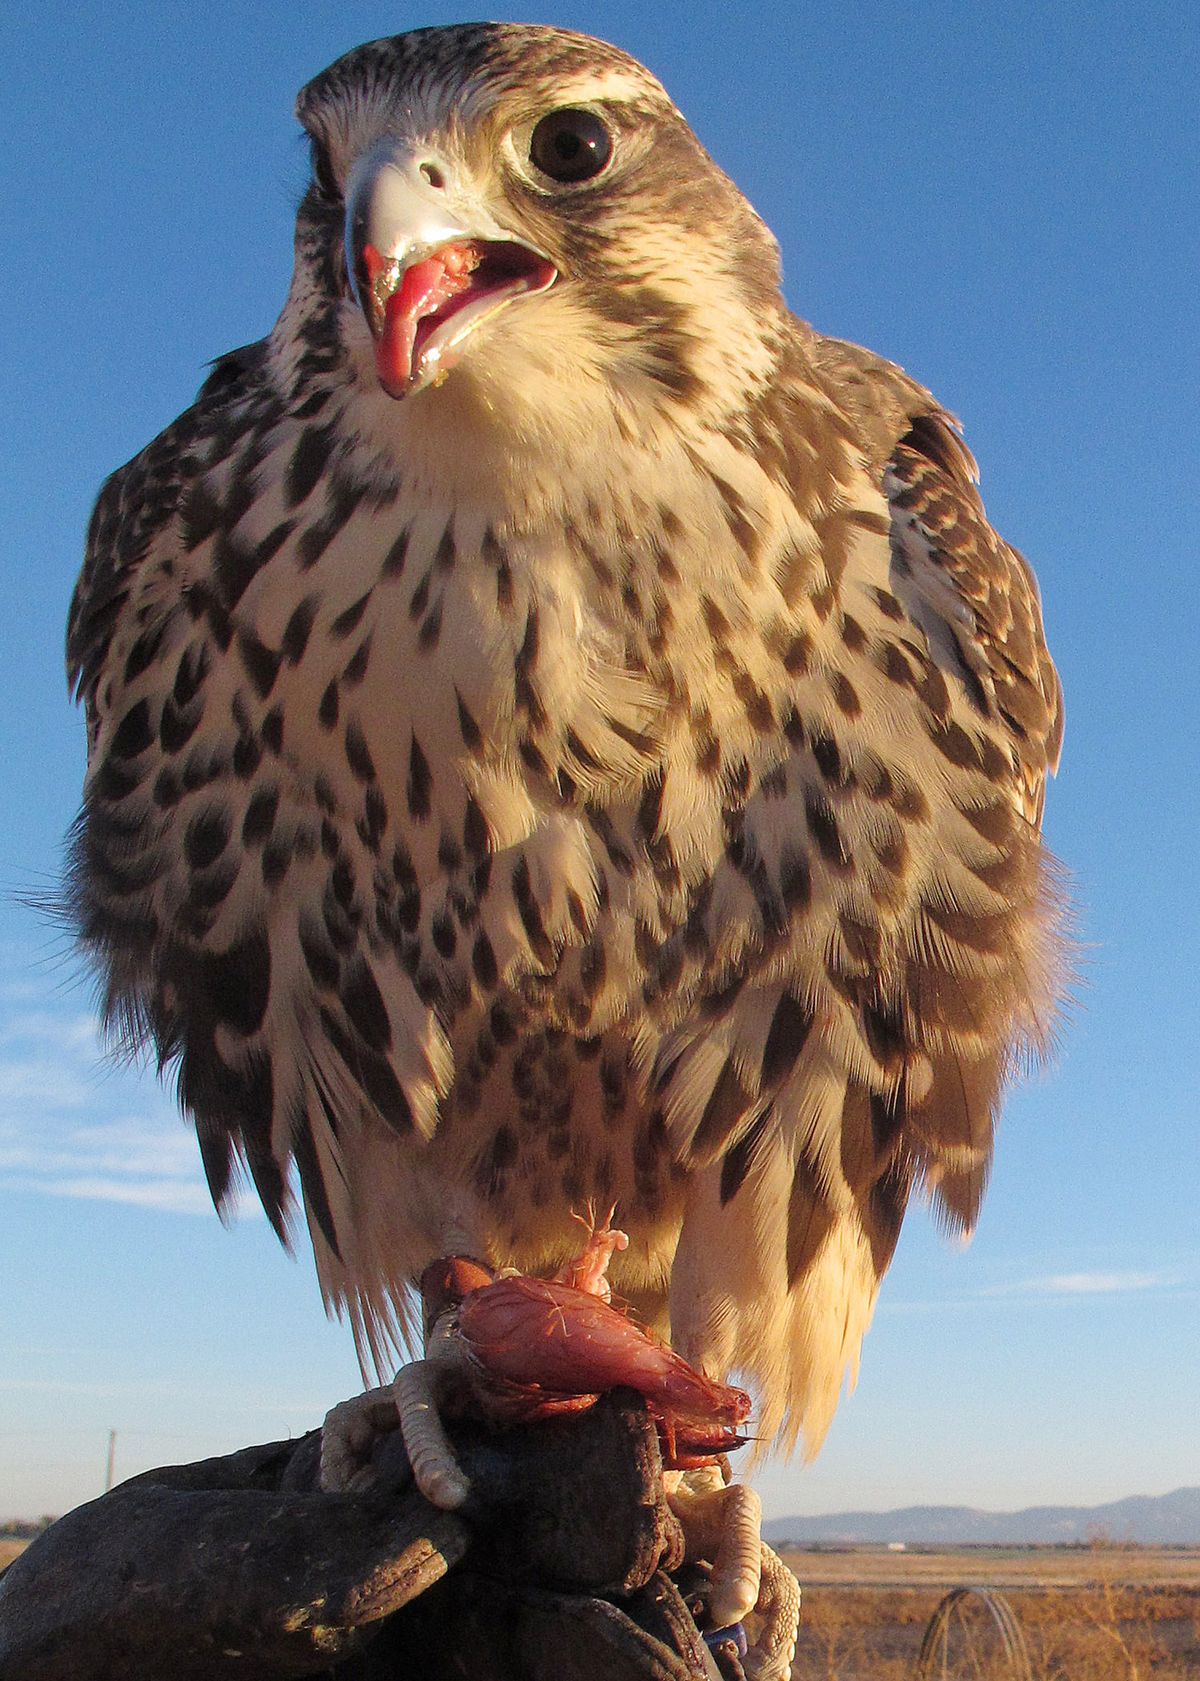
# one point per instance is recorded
(10, 1550)
(1095, 1614)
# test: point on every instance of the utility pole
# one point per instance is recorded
(112, 1459)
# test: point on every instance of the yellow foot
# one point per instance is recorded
(411, 1402)
(722, 1526)
(348, 1435)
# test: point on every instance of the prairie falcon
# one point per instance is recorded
(563, 731)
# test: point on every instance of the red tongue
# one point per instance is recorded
(426, 286)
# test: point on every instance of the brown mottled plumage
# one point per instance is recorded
(610, 773)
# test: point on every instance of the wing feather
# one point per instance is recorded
(855, 1035)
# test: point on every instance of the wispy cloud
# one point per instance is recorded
(74, 1123)
(1050, 1287)
(1086, 1284)
(40, 1080)
(78, 1032)
(173, 1196)
(156, 1145)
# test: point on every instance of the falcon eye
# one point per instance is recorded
(570, 145)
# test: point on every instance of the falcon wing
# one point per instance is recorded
(961, 569)
(136, 505)
(880, 940)
(962, 573)
(123, 620)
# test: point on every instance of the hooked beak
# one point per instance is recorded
(427, 264)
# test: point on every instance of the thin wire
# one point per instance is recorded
(936, 1644)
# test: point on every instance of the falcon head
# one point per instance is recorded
(513, 208)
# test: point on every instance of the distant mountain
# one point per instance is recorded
(1158, 1520)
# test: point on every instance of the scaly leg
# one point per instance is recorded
(412, 1402)
(415, 1399)
(347, 1435)
(419, 1392)
(721, 1524)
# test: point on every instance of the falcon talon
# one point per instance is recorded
(419, 1390)
(722, 1523)
(770, 1656)
(347, 1436)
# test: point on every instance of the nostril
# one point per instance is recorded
(433, 174)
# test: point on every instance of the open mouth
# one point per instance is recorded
(421, 311)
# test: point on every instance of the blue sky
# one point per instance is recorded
(1001, 198)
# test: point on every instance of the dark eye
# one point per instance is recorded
(323, 172)
(570, 145)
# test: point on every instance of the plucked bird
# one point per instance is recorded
(562, 732)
